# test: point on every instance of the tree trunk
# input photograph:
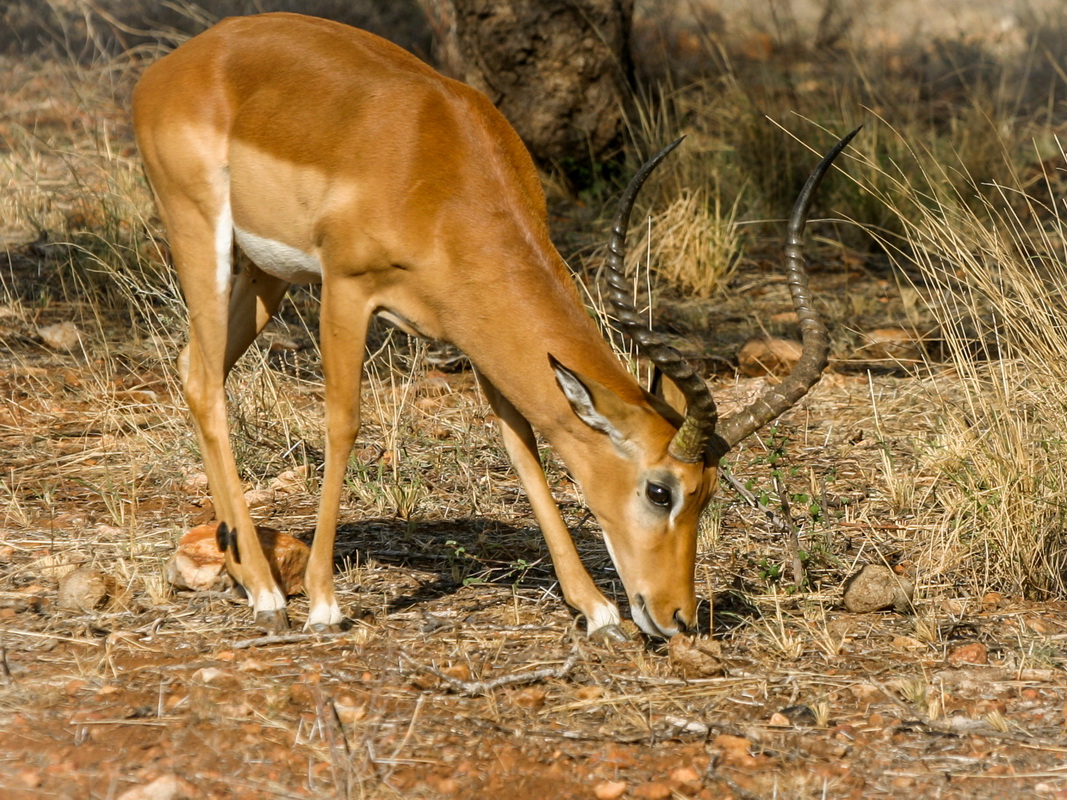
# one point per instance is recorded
(559, 70)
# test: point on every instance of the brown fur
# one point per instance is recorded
(416, 197)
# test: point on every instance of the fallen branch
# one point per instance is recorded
(965, 726)
(472, 688)
(6, 678)
(286, 638)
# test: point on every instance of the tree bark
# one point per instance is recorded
(559, 70)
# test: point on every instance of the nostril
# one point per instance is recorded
(685, 625)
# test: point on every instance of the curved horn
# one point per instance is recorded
(692, 438)
(816, 341)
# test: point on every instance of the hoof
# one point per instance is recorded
(322, 627)
(608, 634)
(272, 621)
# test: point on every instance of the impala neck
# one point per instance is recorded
(537, 311)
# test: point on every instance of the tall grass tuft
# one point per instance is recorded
(989, 259)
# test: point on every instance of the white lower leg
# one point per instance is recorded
(267, 600)
(601, 617)
(324, 613)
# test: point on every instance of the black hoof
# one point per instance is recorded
(608, 634)
(272, 621)
(322, 627)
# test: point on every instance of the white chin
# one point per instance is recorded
(645, 622)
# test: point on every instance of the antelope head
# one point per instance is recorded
(665, 464)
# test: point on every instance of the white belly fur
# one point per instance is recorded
(279, 259)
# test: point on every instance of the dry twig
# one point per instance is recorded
(287, 638)
(793, 540)
(472, 688)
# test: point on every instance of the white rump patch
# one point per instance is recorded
(279, 259)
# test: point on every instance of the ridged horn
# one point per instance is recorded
(815, 339)
(691, 440)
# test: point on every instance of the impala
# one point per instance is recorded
(329, 155)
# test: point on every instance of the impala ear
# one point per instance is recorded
(595, 404)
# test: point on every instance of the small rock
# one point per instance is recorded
(531, 697)
(349, 710)
(210, 675)
(446, 785)
(461, 672)
(610, 790)
(973, 653)
(74, 686)
(907, 643)
(876, 587)
(166, 787)
(105, 531)
(685, 781)
(694, 657)
(1037, 625)
(293, 480)
(896, 345)
(785, 318)
(867, 693)
(85, 589)
(992, 601)
(801, 715)
(63, 336)
(685, 775)
(258, 498)
(136, 397)
(195, 482)
(198, 564)
(768, 355)
(653, 790)
(779, 720)
(953, 606)
(735, 750)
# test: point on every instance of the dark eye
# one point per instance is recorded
(658, 495)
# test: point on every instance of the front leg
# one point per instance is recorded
(578, 588)
(343, 320)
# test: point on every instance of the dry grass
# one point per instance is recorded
(991, 274)
(950, 473)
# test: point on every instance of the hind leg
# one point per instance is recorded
(225, 313)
